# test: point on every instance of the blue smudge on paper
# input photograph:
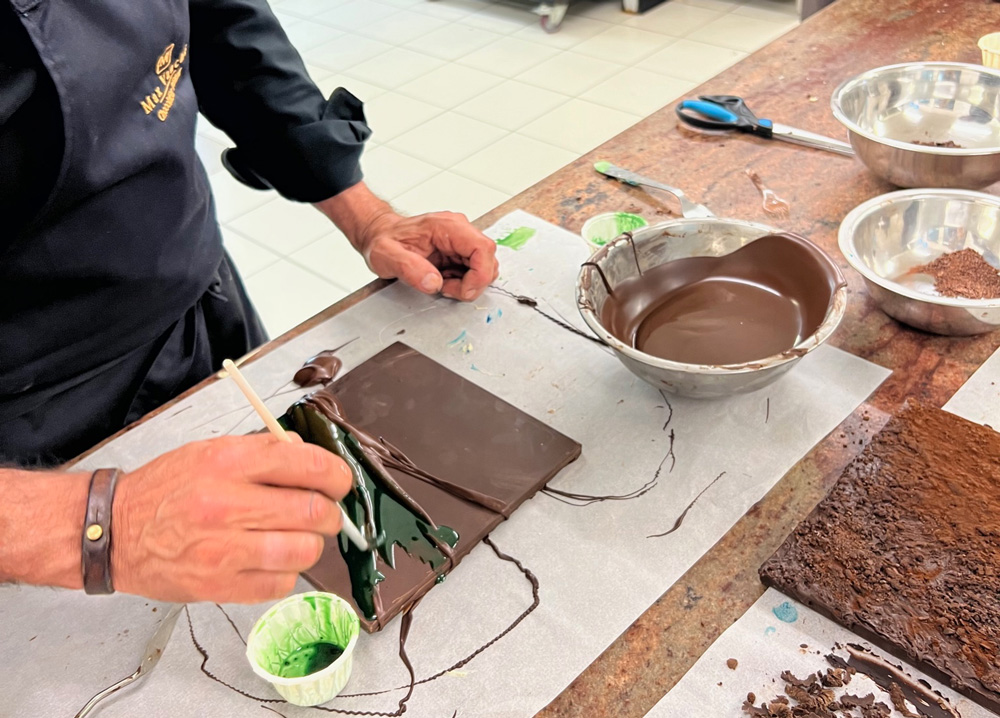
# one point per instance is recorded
(493, 316)
(786, 612)
(457, 339)
(770, 631)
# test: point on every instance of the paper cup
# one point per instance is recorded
(990, 45)
(298, 621)
(601, 229)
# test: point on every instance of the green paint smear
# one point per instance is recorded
(309, 659)
(517, 239)
(602, 166)
(400, 526)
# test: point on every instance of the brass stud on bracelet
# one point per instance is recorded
(94, 532)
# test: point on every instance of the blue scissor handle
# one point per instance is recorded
(723, 112)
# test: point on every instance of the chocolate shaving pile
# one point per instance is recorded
(963, 274)
(813, 697)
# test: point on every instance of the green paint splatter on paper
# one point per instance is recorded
(517, 239)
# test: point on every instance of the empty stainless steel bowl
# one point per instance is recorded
(887, 109)
(888, 236)
(677, 239)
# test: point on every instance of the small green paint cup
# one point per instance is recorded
(304, 625)
(603, 228)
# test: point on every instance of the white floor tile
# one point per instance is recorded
(402, 26)
(356, 15)
(514, 163)
(286, 295)
(508, 56)
(450, 192)
(210, 151)
(233, 198)
(504, 19)
(389, 173)
(346, 52)
(286, 19)
(204, 127)
(391, 114)
(283, 226)
(395, 67)
(579, 126)
(570, 73)
(249, 257)
(453, 41)
(738, 32)
(317, 73)
(606, 10)
(511, 104)
(449, 10)
(638, 91)
(693, 61)
(409, 4)
(307, 34)
(624, 45)
(450, 85)
(572, 32)
(716, 5)
(447, 139)
(310, 8)
(673, 19)
(332, 258)
(768, 9)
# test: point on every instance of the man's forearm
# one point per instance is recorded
(41, 525)
(354, 211)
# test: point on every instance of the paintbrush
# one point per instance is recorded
(348, 527)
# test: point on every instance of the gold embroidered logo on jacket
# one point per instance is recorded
(168, 70)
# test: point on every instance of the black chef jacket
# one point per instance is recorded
(108, 236)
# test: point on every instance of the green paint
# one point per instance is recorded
(441, 578)
(369, 501)
(602, 166)
(309, 659)
(517, 239)
(613, 226)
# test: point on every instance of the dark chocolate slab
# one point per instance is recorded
(905, 549)
(455, 430)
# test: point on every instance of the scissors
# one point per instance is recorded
(728, 112)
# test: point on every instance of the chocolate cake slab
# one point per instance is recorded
(905, 549)
(455, 430)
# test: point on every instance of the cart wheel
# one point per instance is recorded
(553, 19)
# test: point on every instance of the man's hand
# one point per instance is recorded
(433, 253)
(233, 519)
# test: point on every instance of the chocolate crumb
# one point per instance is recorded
(962, 274)
(751, 698)
(732, 663)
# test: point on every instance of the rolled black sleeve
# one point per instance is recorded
(252, 84)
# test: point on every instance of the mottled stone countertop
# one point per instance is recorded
(790, 81)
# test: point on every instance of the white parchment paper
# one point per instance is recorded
(597, 569)
(764, 646)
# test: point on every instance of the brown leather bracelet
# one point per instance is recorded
(96, 555)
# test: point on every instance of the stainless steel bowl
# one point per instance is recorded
(888, 236)
(885, 110)
(676, 239)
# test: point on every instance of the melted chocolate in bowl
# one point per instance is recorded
(753, 303)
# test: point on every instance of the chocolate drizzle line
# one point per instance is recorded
(529, 302)
(535, 601)
(268, 708)
(886, 675)
(238, 635)
(767, 415)
(581, 500)
(382, 455)
(684, 513)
